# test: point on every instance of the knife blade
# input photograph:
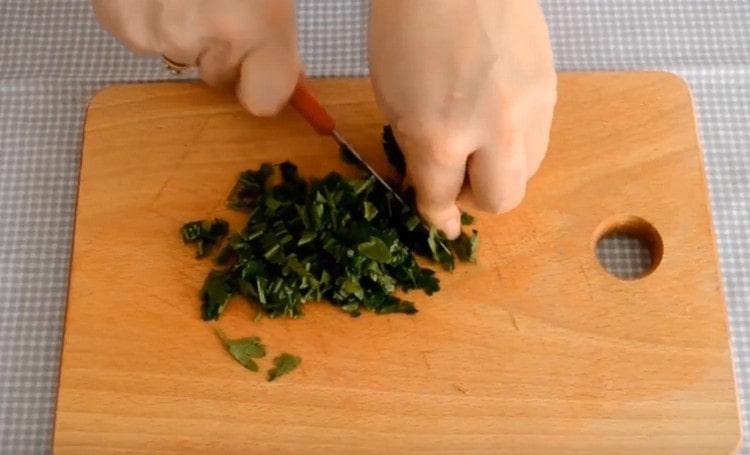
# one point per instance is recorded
(321, 121)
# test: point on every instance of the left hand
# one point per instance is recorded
(249, 43)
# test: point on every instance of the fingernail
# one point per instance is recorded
(452, 228)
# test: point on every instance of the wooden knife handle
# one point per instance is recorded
(309, 107)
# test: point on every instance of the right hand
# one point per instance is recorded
(250, 43)
(469, 87)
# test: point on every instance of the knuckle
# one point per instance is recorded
(443, 156)
(419, 131)
(513, 119)
(507, 196)
(171, 36)
(509, 99)
(232, 28)
(428, 142)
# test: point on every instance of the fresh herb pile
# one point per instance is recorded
(349, 242)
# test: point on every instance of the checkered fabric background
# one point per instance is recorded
(624, 256)
(53, 57)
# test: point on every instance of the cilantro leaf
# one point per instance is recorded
(375, 249)
(283, 364)
(215, 294)
(466, 246)
(244, 350)
(370, 211)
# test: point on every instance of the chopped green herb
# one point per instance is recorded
(369, 210)
(249, 187)
(244, 350)
(205, 234)
(283, 364)
(413, 222)
(375, 249)
(466, 219)
(348, 157)
(466, 246)
(349, 242)
(352, 309)
(217, 290)
(306, 237)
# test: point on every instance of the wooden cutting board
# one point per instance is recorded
(534, 350)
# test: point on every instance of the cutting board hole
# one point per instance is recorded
(628, 247)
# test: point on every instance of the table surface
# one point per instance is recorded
(54, 57)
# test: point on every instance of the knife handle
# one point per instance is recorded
(312, 111)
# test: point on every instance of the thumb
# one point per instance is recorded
(437, 174)
(268, 76)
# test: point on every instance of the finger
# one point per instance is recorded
(237, 28)
(436, 172)
(537, 137)
(179, 32)
(268, 76)
(220, 64)
(498, 174)
(130, 21)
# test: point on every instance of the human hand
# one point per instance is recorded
(252, 43)
(467, 85)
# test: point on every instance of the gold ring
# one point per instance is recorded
(173, 67)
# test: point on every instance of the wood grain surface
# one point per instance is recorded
(534, 350)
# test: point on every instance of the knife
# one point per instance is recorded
(321, 121)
